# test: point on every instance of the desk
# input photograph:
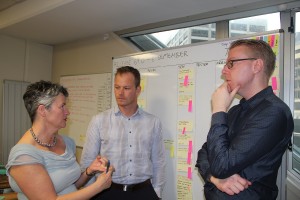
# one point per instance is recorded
(5, 185)
(9, 196)
(4, 182)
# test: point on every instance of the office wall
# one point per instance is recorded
(89, 56)
(22, 60)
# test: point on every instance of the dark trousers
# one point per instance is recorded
(145, 193)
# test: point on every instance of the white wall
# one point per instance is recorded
(22, 60)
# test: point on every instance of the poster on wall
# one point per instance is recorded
(88, 95)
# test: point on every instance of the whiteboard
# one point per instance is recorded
(88, 95)
(177, 85)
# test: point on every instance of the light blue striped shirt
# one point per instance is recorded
(134, 145)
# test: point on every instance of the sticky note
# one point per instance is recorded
(274, 83)
(190, 147)
(183, 130)
(172, 151)
(189, 158)
(190, 106)
(189, 173)
(272, 40)
(186, 80)
(265, 38)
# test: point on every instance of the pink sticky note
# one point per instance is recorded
(190, 106)
(189, 173)
(189, 158)
(186, 80)
(274, 83)
(272, 40)
(183, 130)
(190, 146)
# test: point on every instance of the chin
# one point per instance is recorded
(229, 88)
(122, 103)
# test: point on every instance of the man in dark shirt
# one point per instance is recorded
(245, 145)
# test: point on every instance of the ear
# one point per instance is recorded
(41, 110)
(138, 90)
(258, 66)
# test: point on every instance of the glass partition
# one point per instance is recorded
(296, 136)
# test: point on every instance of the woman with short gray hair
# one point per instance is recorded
(43, 164)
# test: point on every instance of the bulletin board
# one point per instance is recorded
(177, 84)
(88, 95)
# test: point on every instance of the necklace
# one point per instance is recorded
(42, 143)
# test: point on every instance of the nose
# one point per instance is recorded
(121, 91)
(67, 111)
(225, 69)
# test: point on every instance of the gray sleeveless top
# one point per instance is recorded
(62, 169)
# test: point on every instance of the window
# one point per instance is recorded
(254, 24)
(205, 32)
(257, 28)
(213, 34)
(191, 35)
(236, 34)
(296, 136)
(147, 42)
(174, 38)
(199, 33)
(238, 26)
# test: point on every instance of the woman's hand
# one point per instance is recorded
(98, 165)
(104, 180)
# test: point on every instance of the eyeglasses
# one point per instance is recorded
(229, 63)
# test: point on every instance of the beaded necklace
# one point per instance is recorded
(42, 143)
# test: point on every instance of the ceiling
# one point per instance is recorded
(59, 21)
(5, 4)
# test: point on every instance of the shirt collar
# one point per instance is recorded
(256, 99)
(117, 111)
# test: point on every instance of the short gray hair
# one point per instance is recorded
(41, 93)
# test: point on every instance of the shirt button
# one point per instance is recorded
(130, 160)
(130, 145)
(130, 174)
(129, 131)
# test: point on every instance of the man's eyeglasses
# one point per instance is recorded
(229, 63)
